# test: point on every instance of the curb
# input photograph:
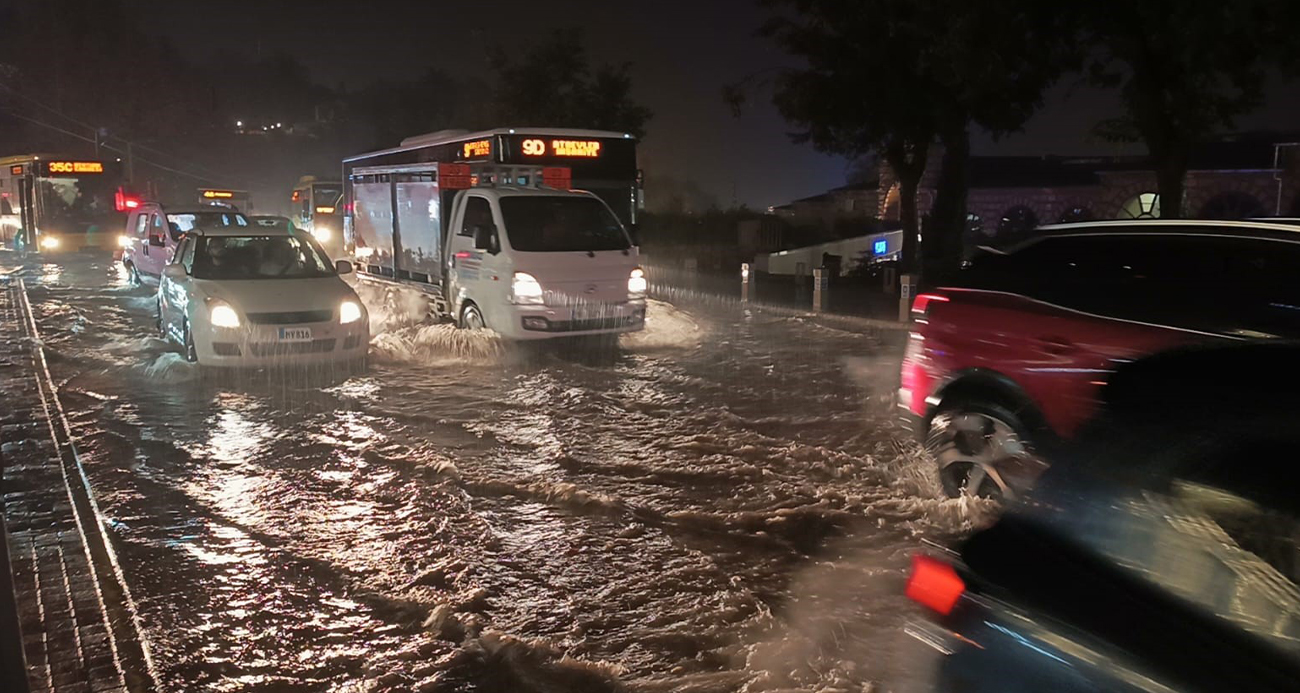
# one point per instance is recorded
(80, 629)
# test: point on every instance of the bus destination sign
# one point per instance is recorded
(75, 167)
(477, 149)
(587, 149)
(15, 170)
(217, 194)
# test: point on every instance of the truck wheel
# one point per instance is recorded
(471, 318)
(984, 450)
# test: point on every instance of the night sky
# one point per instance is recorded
(682, 53)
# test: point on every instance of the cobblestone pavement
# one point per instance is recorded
(76, 618)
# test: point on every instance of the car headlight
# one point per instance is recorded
(321, 233)
(124, 241)
(49, 242)
(525, 288)
(222, 315)
(349, 311)
(636, 283)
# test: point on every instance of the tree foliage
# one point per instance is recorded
(892, 77)
(1185, 70)
(555, 85)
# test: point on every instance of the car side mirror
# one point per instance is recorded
(175, 272)
(485, 238)
(343, 267)
(157, 241)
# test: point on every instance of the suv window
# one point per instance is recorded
(1203, 282)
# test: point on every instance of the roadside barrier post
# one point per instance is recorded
(821, 289)
(744, 282)
(906, 292)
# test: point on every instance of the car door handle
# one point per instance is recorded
(1056, 345)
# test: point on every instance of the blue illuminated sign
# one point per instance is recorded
(880, 247)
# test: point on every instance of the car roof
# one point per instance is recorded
(251, 230)
(197, 209)
(1279, 230)
(519, 191)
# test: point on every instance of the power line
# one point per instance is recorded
(215, 175)
(150, 162)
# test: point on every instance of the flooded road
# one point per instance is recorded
(720, 505)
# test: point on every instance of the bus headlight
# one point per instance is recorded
(49, 242)
(321, 233)
(526, 289)
(636, 284)
(222, 315)
(124, 241)
(349, 311)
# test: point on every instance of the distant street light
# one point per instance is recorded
(277, 125)
(239, 123)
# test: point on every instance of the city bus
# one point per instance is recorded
(317, 207)
(51, 203)
(237, 200)
(602, 162)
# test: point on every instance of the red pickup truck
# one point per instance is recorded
(1007, 362)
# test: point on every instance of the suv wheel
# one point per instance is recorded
(983, 450)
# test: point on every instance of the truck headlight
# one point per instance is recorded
(49, 242)
(124, 241)
(349, 311)
(636, 283)
(222, 315)
(526, 289)
(321, 233)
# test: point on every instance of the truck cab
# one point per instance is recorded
(536, 262)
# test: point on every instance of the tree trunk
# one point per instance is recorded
(1169, 183)
(943, 235)
(907, 159)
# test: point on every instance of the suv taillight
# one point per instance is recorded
(921, 304)
(934, 584)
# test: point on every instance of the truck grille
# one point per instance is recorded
(291, 318)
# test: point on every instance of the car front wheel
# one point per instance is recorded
(471, 318)
(191, 353)
(983, 450)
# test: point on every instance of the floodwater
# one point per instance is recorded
(721, 504)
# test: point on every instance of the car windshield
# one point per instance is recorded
(205, 220)
(259, 257)
(558, 224)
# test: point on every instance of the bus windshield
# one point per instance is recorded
(259, 257)
(558, 224)
(77, 199)
(326, 195)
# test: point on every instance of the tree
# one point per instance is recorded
(891, 77)
(1185, 70)
(554, 85)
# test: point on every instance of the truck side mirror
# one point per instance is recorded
(157, 241)
(485, 238)
(175, 271)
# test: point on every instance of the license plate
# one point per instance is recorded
(295, 334)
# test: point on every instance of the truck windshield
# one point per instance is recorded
(259, 257)
(559, 224)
